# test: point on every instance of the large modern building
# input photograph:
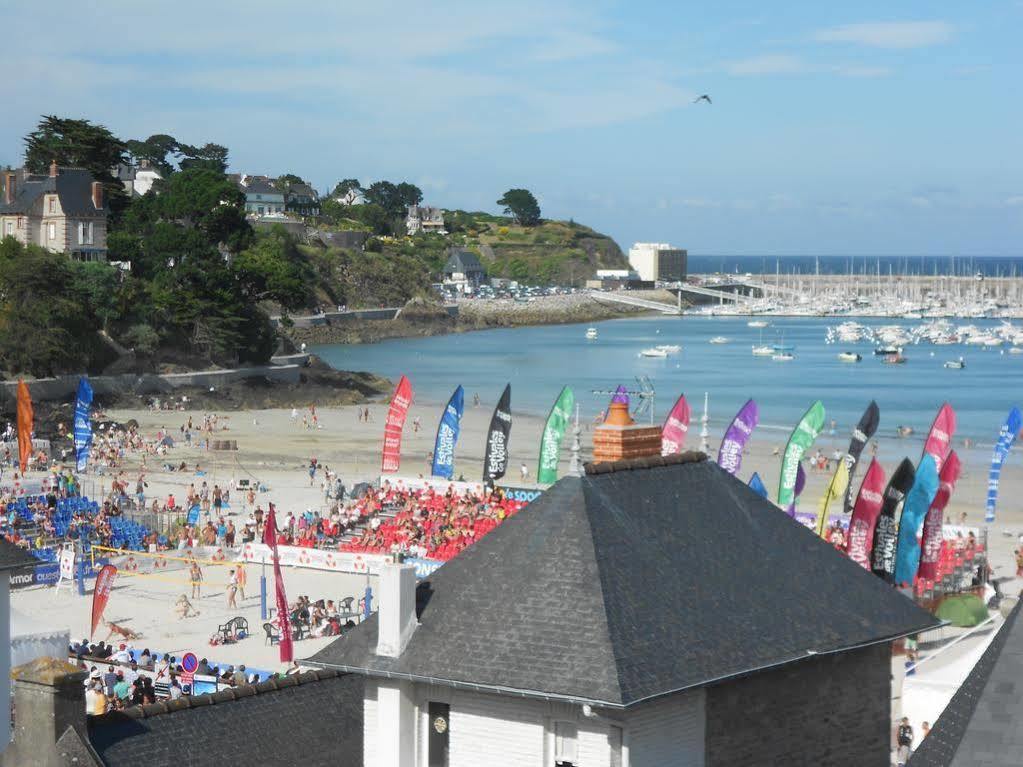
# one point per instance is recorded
(658, 262)
(64, 211)
(653, 612)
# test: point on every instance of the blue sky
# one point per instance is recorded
(863, 128)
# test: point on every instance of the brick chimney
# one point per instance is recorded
(48, 699)
(10, 187)
(619, 437)
(54, 170)
(97, 195)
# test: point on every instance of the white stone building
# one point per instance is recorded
(658, 262)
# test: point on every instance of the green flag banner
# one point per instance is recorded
(553, 433)
(803, 436)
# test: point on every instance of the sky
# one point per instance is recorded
(870, 128)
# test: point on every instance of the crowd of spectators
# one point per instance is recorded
(430, 524)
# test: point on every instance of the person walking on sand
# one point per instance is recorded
(195, 575)
(232, 589)
(240, 578)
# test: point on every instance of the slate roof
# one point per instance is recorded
(302, 190)
(463, 261)
(983, 723)
(12, 557)
(259, 186)
(72, 185)
(617, 587)
(310, 719)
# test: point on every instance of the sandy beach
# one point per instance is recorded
(274, 448)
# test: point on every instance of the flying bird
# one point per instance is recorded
(704, 97)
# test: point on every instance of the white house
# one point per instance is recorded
(653, 612)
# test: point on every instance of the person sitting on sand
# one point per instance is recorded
(184, 609)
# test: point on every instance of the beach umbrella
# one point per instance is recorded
(963, 610)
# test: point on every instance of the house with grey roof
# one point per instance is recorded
(463, 270)
(64, 211)
(301, 199)
(137, 179)
(654, 611)
(262, 198)
(983, 723)
(423, 219)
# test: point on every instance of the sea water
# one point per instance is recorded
(538, 361)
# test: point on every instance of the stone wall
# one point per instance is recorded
(832, 710)
(43, 389)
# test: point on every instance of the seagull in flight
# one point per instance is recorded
(704, 97)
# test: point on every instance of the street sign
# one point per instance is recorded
(189, 662)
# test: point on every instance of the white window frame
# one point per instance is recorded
(53, 205)
(51, 231)
(566, 742)
(9, 229)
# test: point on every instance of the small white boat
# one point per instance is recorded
(1016, 350)
(783, 357)
(757, 323)
(719, 340)
(849, 357)
(958, 364)
(653, 352)
(591, 333)
(669, 348)
(763, 351)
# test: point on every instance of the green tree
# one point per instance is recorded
(347, 191)
(283, 183)
(206, 200)
(521, 204)
(408, 194)
(208, 157)
(273, 269)
(43, 329)
(157, 150)
(74, 144)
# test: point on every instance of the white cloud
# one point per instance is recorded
(889, 34)
(768, 64)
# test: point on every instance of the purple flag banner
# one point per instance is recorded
(797, 490)
(738, 434)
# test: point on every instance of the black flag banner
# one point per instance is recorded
(860, 437)
(886, 534)
(495, 460)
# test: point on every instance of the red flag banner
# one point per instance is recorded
(101, 594)
(396, 414)
(939, 439)
(25, 425)
(283, 616)
(864, 516)
(930, 542)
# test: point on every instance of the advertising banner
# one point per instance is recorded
(804, 435)
(25, 425)
(447, 436)
(882, 555)
(930, 539)
(860, 540)
(736, 437)
(1009, 431)
(918, 501)
(495, 457)
(553, 434)
(83, 423)
(676, 427)
(101, 594)
(939, 438)
(393, 426)
(861, 435)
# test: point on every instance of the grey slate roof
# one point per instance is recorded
(617, 587)
(259, 186)
(310, 719)
(463, 261)
(983, 723)
(73, 186)
(12, 557)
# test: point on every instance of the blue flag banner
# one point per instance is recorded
(193, 515)
(447, 436)
(83, 423)
(918, 501)
(1013, 423)
(756, 484)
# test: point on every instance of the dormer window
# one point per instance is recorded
(53, 205)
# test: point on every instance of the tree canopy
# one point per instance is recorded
(521, 204)
(73, 144)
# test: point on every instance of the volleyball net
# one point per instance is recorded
(174, 565)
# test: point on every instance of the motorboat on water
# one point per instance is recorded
(654, 352)
(894, 359)
(763, 351)
(591, 333)
(669, 348)
(719, 340)
(849, 357)
(1016, 350)
(757, 324)
(783, 357)
(887, 351)
(958, 364)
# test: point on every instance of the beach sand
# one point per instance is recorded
(275, 449)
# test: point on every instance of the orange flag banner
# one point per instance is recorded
(25, 417)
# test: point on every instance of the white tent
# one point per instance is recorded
(33, 638)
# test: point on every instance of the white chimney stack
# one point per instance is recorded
(396, 615)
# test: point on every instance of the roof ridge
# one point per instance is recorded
(149, 710)
(644, 462)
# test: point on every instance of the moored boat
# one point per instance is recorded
(591, 333)
(958, 364)
(849, 357)
(653, 352)
(783, 357)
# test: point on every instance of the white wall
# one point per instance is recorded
(5, 660)
(669, 730)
